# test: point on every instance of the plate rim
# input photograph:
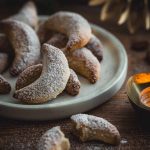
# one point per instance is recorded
(122, 69)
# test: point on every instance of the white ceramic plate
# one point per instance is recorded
(113, 73)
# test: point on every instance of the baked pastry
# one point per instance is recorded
(53, 139)
(94, 45)
(24, 42)
(4, 62)
(32, 73)
(88, 127)
(52, 81)
(27, 14)
(5, 87)
(82, 61)
(71, 24)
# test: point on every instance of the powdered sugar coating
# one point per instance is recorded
(5, 87)
(71, 24)
(95, 128)
(32, 73)
(52, 81)
(27, 14)
(25, 43)
(85, 63)
(82, 61)
(92, 122)
(53, 139)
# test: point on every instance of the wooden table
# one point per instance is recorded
(18, 135)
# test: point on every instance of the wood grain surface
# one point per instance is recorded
(23, 135)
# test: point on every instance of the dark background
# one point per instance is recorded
(47, 7)
(44, 6)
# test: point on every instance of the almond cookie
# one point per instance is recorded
(27, 14)
(32, 73)
(88, 127)
(24, 42)
(52, 81)
(5, 87)
(71, 24)
(53, 139)
(82, 61)
(94, 45)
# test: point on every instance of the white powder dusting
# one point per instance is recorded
(52, 139)
(88, 124)
(85, 63)
(73, 25)
(123, 141)
(25, 43)
(52, 81)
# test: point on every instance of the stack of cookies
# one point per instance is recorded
(46, 55)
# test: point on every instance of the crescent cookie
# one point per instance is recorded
(82, 61)
(94, 45)
(53, 139)
(88, 127)
(52, 81)
(24, 42)
(32, 73)
(5, 87)
(71, 24)
(27, 14)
